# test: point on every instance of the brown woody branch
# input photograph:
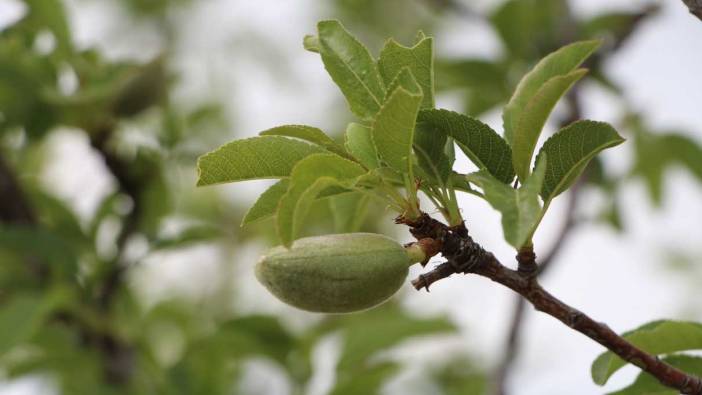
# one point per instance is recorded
(463, 255)
(131, 185)
(695, 7)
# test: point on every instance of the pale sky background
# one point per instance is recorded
(617, 279)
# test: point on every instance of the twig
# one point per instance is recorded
(695, 7)
(465, 256)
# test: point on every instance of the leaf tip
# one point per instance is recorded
(599, 368)
(311, 43)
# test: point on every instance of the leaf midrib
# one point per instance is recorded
(358, 77)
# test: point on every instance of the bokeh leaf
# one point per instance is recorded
(656, 152)
(20, 317)
(381, 328)
(368, 381)
(190, 235)
(527, 27)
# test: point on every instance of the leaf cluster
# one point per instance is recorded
(401, 140)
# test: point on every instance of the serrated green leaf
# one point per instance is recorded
(309, 178)
(308, 133)
(645, 384)
(419, 59)
(359, 142)
(352, 68)
(558, 63)
(482, 145)
(393, 128)
(520, 208)
(252, 158)
(432, 149)
(570, 150)
(266, 204)
(404, 79)
(349, 211)
(657, 338)
(534, 117)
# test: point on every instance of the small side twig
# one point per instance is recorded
(131, 185)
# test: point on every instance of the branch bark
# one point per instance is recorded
(463, 255)
(132, 186)
(695, 7)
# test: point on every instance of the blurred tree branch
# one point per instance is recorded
(131, 185)
(695, 7)
(15, 210)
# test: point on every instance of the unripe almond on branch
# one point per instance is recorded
(337, 273)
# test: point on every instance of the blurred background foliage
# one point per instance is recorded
(71, 313)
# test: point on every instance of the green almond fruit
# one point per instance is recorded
(338, 273)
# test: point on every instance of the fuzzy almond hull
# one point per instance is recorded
(335, 273)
